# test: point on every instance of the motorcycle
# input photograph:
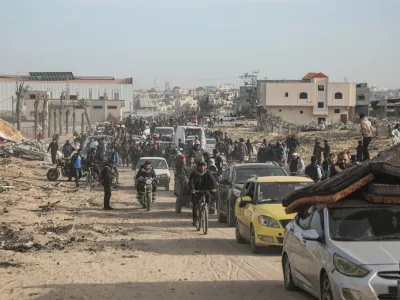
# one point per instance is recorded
(64, 168)
(147, 197)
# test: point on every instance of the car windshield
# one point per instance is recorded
(275, 192)
(155, 163)
(365, 223)
(210, 142)
(243, 174)
(193, 132)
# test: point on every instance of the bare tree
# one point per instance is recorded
(83, 123)
(21, 89)
(82, 104)
(36, 107)
(67, 112)
(51, 108)
(61, 113)
(45, 113)
(73, 118)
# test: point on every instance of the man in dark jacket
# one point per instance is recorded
(53, 148)
(314, 170)
(318, 151)
(291, 145)
(136, 154)
(106, 178)
(67, 149)
(125, 153)
(327, 149)
(249, 146)
(271, 154)
(145, 171)
(201, 180)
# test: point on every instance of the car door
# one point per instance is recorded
(240, 211)
(313, 253)
(248, 210)
(302, 221)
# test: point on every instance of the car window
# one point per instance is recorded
(243, 174)
(317, 222)
(251, 190)
(244, 189)
(155, 163)
(304, 216)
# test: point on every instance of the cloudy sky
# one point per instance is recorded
(207, 42)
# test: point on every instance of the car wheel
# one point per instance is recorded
(239, 238)
(230, 214)
(52, 174)
(287, 274)
(254, 248)
(326, 292)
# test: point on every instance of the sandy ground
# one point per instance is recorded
(75, 250)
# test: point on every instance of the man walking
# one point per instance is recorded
(114, 156)
(67, 149)
(76, 161)
(53, 148)
(366, 131)
(106, 181)
(313, 170)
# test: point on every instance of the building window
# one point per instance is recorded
(286, 94)
(303, 95)
(338, 96)
(111, 107)
(361, 97)
(301, 112)
(321, 120)
(98, 107)
(32, 96)
(337, 111)
(321, 105)
(73, 97)
(321, 88)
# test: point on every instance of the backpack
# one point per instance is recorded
(100, 177)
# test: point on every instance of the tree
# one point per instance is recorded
(61, 113)
(73, 118)
(21, 89)
(82, 104)
(51, 108)
(67, 120)
(45, 113)
(36, 107)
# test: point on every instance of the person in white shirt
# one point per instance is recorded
(366, 131)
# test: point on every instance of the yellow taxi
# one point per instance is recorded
(260, 216)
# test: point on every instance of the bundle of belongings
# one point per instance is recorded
(376, 180)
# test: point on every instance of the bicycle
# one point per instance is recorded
(91, 177)
(202, 213)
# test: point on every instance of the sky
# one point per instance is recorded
(191, 43)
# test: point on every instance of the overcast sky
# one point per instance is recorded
(206, 42)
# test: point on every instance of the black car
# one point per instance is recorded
(232, 183)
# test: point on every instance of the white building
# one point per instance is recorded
(87, 87)
(312, 98)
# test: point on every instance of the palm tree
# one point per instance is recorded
(45, 113)
(36, 107)
(20, 93)
(82, 104)
(67, 112)
(61, 113)
(83, 123)
(73, 118)
(51, 108)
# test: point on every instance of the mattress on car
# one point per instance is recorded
(294, 206)
(381, 199)
(384, 189)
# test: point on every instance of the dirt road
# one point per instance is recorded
(82, 252)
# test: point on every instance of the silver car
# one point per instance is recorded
(349, 250)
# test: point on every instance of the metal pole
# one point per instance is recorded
(12, 110)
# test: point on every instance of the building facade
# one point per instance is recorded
(313, 98)
(87, 87)
(363, 99)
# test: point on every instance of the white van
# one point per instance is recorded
(188, 135)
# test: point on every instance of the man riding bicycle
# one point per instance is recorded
(201, 180)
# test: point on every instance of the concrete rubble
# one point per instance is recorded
(30, 150)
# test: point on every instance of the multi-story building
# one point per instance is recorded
(311, 98)
(363, 98)
(87, 87)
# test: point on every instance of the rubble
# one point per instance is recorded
(9, 132)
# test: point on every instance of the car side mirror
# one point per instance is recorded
(310, 235)
(246, 199)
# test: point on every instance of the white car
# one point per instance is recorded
(161, 168)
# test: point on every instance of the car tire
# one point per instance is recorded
(287, 274)
(326, 291)
(254, 248)
(239, 238)
(230, 215)
(52, 175)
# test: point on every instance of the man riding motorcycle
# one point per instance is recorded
(145, 171)
(201, 180)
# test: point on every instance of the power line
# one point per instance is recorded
(6, 99)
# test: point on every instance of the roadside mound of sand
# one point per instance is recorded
(9, 132)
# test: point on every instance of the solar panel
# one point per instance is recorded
(51, 76)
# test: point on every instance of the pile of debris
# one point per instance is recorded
(9, 132)
(30, 150)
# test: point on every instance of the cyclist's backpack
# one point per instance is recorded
(101, 180)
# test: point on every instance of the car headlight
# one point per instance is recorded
(236, 193)
(348, 268)
(267, 221)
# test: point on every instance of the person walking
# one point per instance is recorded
(366, 131)
(67, 149)
(114, 156)
(106, 182)
(327, 149)
(318, 151)
(53, 148)
(313, 170)
(76, 161)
